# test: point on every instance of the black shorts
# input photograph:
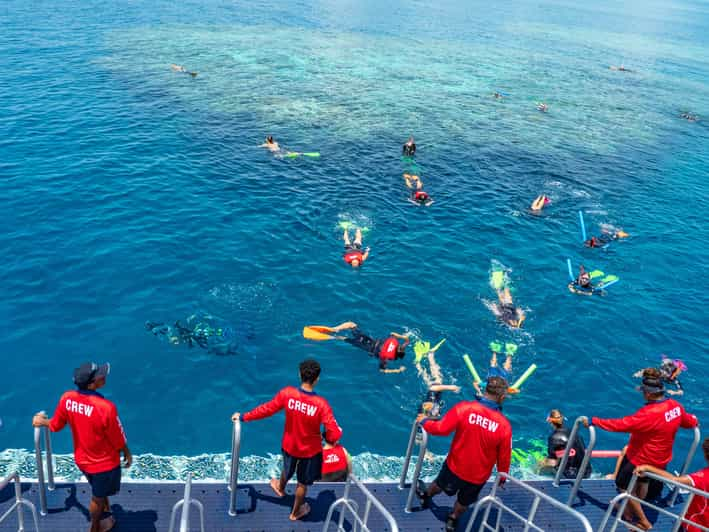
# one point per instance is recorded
(307, 470)
(451, 484)
(104, 484)
(625, 473)
(353, 247)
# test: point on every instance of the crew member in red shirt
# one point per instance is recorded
(306, 412)
(698, 511)
(652, 433)
(483, 438)
(98, 438)
(336, 462)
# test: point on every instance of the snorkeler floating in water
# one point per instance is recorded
(270, 144)
(432, 403)
(620, 68)
(180, 68)
(418, 195)
(506, 310)
(354, 256)
(583, 283)
(691, 117)
(605, 238)
(540, 202)
(541, 106)
(670, 370)
(495, 370)
(409, 148)
(385, 349)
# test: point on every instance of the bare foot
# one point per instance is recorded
(302, 512)
(107, 524)
(644, 524)
(276, 487)
(610, 476)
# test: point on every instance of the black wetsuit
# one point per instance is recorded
(556, 443)
(409, 149)
(508, 313)
(361, 340)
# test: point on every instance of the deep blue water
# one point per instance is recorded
(131, 193)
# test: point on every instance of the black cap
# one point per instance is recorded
(88, 372)
(652, 386)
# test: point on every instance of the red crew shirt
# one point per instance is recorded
(698, 511)
(95, 428)
(305, 413)
(334, 460)
(483, 437)
(652, 431)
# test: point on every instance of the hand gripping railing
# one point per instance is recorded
(584, 462)
(17, 505)
(350, 506)
(420, 436)
(626, 496)
(687, 462)
(491, 500)
(185, 504)
(234, 472)
(42, 488)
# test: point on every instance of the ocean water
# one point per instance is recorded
(134, 193)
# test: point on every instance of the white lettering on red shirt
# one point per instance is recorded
(80, 408)
(477, 419)
(302, 407)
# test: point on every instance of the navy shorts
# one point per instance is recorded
(306, 470)
(451, 484)
(625, 473)
(104, 484)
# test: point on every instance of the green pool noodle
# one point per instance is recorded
(531, 369)
(471, 368)
(311, 154)
(439, 344)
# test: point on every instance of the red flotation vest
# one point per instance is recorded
(334, 460)
(353, 254)
(420, 195)
(388, 349)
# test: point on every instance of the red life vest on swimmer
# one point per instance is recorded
(388, 349)
(353, 254)
(334, 460)
(420, 195)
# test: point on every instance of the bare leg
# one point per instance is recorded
(358, 236)
(508, 364)
(433, 489)
(300, 508)
(96, 509)
(425, 377)
(493, 360)
(407, 178)
(458, 510)
(436, 375)
(346, 238)
(637, 509)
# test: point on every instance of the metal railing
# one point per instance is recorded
(687, 462)
(420, 436)
(19, 502)
(234, 471)
(185, 504)
(350, 507)
(42, 486)
(626, 496)
(584, 462)
(491, 500)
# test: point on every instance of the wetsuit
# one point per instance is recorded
(384, 349)
(359, 339)
(556, 443)
(409, 149)
(599, 241)
(508, 312)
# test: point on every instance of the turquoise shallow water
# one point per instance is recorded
(132, 193)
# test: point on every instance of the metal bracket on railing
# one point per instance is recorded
(19, 502)
(347, 504)
(42, 488)
(628, 495)
(584, 462)
(687, 462)
(417, 433)
(234, 471)
(492, 500)
(185, 504)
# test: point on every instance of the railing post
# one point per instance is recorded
(18, 504)
(584, 464)
(567, 450)
(417, 470)
(687, 462)
(234, 473)
(407, 456)
(18, 501)
(185, 517)
(41, 487)
(346, 496)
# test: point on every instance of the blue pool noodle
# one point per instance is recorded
(571, 271)
(609, 284)
(583, 226)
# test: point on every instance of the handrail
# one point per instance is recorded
(584, 462)
(42, 488)
(628, 495)
(492, 500)
(350, 505)
(234, 470)
(19, 502)
(185, 503)
(423, 443)
(687, 462)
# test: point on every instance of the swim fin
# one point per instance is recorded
(495, 347)
(311, 154)
(345, 224)
(622, 234)
(595, 273)
(497, 279)
(318, 333)
(420, 350)
(510, 349)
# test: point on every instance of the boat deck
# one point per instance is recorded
(146, 507)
